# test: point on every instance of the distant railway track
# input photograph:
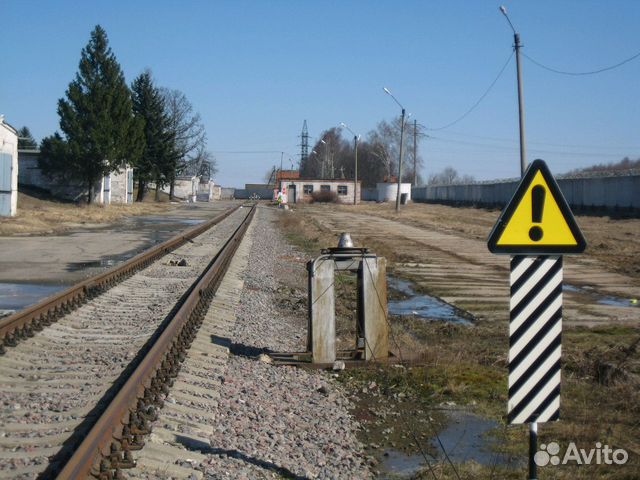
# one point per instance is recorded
(83, 372)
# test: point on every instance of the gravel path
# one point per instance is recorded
(281, 420)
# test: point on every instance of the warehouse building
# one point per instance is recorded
(8, 169)
(303, 190)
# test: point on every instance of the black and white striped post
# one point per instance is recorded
(535, 329)
(536, 228)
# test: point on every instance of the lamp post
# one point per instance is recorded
(355, 174)
(517, 46)
(326, 157)
(533, 426)
(386, 90)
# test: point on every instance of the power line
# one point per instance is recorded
(576, 74)
(512, 140)
(473, 107)
(536, 150)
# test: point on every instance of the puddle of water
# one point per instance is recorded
(170, 226)
(17, 296)
(465, 439)
(609, 300)
(570, 288)
(421, 305)
(150, 220)
(616, 302)
(399, 464)
(104, 263)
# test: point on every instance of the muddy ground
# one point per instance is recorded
(55, 243)
(459, 370)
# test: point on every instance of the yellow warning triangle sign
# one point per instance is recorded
(537, 220)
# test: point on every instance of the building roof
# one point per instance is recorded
(337, 180)
(8, 126)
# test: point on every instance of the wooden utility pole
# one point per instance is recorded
(415, 150)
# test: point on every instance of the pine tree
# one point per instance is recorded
(96, 118)
(156, 161)
(26, 140)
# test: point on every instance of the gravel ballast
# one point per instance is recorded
(277, 420)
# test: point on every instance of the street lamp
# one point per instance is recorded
(355, 175)
(386, 90)
(517, 46)
(326, 157)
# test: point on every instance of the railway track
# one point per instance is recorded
(82, 373)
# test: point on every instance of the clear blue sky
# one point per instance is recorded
(255, 70)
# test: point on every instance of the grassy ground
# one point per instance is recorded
(38, 214)
(457, 366)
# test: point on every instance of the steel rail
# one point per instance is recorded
(107, 446)
(24, 323)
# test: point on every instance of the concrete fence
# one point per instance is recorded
(369, 194)
(610, 193)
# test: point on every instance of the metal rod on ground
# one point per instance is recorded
(533, 447)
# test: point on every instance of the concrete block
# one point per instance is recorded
(321, 334)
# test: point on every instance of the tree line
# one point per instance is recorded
(106, 125)
(333, 156)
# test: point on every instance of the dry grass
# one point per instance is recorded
(38, 216)
(611, 241)
(468, 365)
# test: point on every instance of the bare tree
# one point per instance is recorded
(450, 176)
(377, 154)
(203, 164)
(190, 135)
(385, 141)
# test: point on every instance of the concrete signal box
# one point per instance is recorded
(372, 328)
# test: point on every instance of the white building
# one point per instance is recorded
(117, 187)
(193, 189)
(388, 192)
(301, 190)
(8, 169)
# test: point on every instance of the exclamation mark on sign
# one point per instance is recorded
(537, 207)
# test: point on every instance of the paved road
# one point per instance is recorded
(461, 271)
(72, 256)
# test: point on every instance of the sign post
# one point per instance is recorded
(536, 228)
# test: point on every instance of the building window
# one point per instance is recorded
(325, 188)
(307, 189)
(342, 189)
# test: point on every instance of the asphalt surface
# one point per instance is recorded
(64, 259)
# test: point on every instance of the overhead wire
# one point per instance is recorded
(515, 141)
(482, 97)
(537, 150)
(577, 74)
